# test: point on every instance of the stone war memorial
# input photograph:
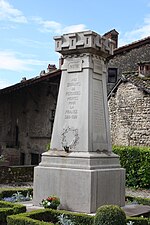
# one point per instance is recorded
(80, 167)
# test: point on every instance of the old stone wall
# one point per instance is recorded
(129, 110)
(128, 61)
(26, 119)
(16, 174)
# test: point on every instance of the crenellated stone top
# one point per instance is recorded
(81, 42)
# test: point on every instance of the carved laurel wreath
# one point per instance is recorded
(72, 143)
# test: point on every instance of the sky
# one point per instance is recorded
(27, 28)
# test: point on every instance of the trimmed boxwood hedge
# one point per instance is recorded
(139, 220)
(136, 161)
(139, 200)
(7, 208)
(110, 215)
(22, 219)
(8, 192)
(39, 217)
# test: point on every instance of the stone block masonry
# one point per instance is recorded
(80, 167)
(130, 116)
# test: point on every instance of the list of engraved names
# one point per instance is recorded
(98, 108)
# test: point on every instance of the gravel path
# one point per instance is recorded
(138, 193)
(17, 185)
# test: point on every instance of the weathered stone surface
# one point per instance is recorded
(80, 167)
(81, 120)
(83, 184)
(128, 60)
(129, 107)
(137, 210)
(82, 180)
(26, 121)
(16, 174)
(80, 92)
(130, 116)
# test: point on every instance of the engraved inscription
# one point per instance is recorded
(97, 67)
(73, 93)
(75, 66)
(99, 126)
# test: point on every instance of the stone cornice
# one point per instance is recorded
(84, 42)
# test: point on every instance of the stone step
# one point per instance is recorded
(135, 210)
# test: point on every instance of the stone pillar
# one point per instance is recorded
(80, 168)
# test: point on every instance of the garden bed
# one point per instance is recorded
(8, 192)
(50, 217)
(9, 209)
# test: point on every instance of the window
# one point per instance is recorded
(112, 75)
(22, 159)
(34, 159)
(52, 119)
(17, 137)
(147, 67)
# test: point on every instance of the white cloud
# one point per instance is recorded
(7, 27)
(17, 62)
(4, 83)
(47, 26)
(9, 61)
(12, 61)
(74, 28)
(136, 34)
(55, 27)
(30, 43)
(8, 12)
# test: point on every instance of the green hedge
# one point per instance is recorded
(110, 215)
(39, 217)
(136, 161)
(8, 192)
(7, 208)
(22, 219)
(139, 200)
(139, 220)
(4, 212)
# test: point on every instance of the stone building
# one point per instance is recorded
(129, 94)
(126, 58)
(26, 117)
(129, 107)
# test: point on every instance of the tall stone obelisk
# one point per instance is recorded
(80, 167)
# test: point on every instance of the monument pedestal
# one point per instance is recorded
(83, 181)
(80, 168)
